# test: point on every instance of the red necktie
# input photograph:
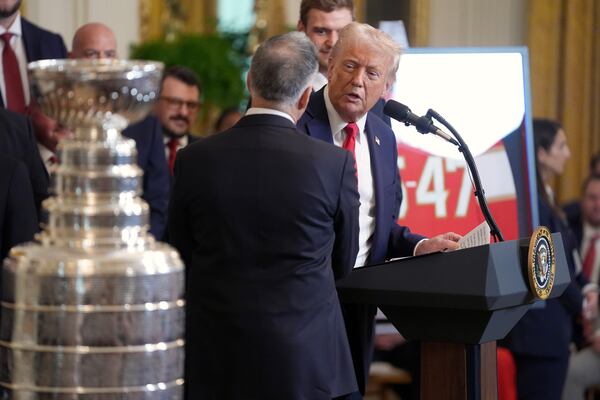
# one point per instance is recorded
(590, 257)
(15, 99)
(350, 142)
(173, 144)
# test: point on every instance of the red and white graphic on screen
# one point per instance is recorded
(438, 195)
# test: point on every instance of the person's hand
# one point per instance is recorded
(596, 343)
(590, 305)
(443, 242)
(47, 131)
(587, 326)
(388, 341)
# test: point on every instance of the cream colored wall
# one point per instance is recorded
(292, 12)
(477, 23)
(452, 22)
(65, 16)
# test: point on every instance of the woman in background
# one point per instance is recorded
(540, 341)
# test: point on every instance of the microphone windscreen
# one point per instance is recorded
(396, 110)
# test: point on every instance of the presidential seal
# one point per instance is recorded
(541, 263)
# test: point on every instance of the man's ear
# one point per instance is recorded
(249, 83)
(388, 86)
(300, 27)
(304, 98)
(329, 68)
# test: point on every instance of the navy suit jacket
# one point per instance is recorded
(40, 44)
(389, 239)
(547, 331)
(18, 217)
(573, 213)
(17, 140)
(151, 159)
(265, 219)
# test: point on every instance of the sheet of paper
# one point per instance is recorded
(479, 236)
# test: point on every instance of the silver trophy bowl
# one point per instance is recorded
(94, 309)
(95, 93)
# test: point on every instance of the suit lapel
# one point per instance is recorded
(318, 127)
(27, 39)
(376, 168)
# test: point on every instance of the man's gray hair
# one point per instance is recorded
(283, 66)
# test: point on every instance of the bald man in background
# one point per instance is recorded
(97, 41)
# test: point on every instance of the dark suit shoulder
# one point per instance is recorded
(143, 127)
(41, 43)
(13, 119)
(295, 140)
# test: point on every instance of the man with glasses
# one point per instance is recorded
(177, 109)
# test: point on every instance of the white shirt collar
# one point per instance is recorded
(183, 140)
(319, 80)
(260, 110)
(589, 231)
(15, 28)
(336, 122)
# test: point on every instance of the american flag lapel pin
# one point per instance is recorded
(377, 141)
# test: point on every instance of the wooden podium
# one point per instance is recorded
(457, 304)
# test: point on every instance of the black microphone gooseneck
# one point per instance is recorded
(424, 124)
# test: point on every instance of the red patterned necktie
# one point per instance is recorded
(350, 142)
(15, 98)
(590, 257)
(173, 144)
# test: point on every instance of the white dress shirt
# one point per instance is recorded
(183, 141)
(366, 190)
(16, 42)
(259, 110)
(588, 233)
(319, 80)
(48, 157)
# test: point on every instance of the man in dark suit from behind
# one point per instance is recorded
(362, 66)
(17, 140)
(18, 217)
(265, 219)
(97, 41)
(177, 108)
(28, 43)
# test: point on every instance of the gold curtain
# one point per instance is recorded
(564, 48)
(161, 18)
(419, 22)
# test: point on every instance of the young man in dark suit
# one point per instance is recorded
(265, 219)
(585, 364)
(362, 66)
(28, 43)
(17, 140)
(18, 217)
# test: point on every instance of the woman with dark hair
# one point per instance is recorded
(540, 341)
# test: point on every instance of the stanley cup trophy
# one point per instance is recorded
(94, 310)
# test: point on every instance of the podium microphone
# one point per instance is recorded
(402, 113)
